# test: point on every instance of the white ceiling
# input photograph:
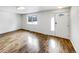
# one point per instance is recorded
(28, 9)
(32, 9)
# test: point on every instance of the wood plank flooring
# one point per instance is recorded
(22, 41)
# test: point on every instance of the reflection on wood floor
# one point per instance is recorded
(22, 41)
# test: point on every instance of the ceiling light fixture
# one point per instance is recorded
(60, 7)
(21, 8)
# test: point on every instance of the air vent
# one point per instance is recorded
(61, 14)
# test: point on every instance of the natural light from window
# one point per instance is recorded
(52, 24)
(32, 44)
(52, 46)
(32, 20)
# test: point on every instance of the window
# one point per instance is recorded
(31, 19)
(52, 24)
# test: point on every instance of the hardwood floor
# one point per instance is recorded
(22, 41)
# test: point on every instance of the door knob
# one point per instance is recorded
(55, 22)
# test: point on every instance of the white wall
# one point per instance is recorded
(43, 25)
(44, 22)
(75, 27)
(9, 21)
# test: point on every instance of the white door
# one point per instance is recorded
(62, 25)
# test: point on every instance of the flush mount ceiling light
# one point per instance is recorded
(21, 8)
(60, 7)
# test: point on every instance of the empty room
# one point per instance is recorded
(39, 29)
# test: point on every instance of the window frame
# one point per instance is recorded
(33, 17)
